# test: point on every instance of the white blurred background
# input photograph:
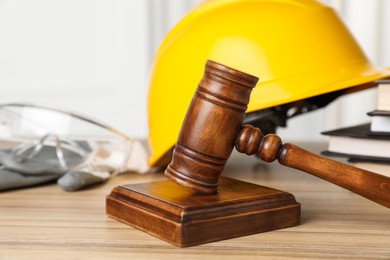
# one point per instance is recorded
(93, 57)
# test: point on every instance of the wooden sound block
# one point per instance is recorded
(185, 218)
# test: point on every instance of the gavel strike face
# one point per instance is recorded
(213, 126)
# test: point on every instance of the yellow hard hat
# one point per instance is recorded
(298, 48)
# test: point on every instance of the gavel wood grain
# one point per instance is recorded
(185, 218)
(212, 128)
(368, 184)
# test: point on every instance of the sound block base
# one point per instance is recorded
(185, 218)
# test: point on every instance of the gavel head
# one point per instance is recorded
(210, 128)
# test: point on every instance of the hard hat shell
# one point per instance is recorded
(298, 49)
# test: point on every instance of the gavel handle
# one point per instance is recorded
(370, 185)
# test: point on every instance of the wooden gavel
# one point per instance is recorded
(213, 126)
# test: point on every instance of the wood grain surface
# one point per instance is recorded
(373, 186)
(185, 218)
(48, 223)
(209, 130)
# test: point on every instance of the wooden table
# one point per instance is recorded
(48, 223)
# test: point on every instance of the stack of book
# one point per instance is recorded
(367, 145)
